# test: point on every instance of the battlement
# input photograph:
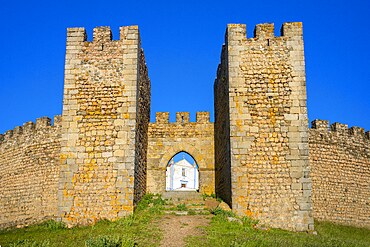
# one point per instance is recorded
(181, 117)
(30, 127)
(323, 126)
(101, 34)
(266, 30)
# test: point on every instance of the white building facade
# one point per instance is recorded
(182, 176)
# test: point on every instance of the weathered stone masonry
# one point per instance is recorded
(340, 171)
(167, 139)
(268, 129)
(29, 172)
(98, 160)
(104, 133)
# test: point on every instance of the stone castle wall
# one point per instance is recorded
(268, 125)
(29, 171)
(142, 124)
(167, 139)
(98, 160)
(222, 130)
(340, 172)
(104, 125)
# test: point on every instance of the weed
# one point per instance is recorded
(222, 213)
(204, 195)
(104, 241)
(191, 212)
(53, 225)
(181, 207)
(249, 221)
(126, 221)
(30, 243)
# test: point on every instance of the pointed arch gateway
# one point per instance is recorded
(158, 179)
(166, 139)
(182, 173)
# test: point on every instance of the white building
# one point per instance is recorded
(182, 176)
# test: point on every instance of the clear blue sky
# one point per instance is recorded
(182, 42)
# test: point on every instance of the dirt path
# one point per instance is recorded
(177, 228)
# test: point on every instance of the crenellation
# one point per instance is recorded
(129, 33)
(102, 34)
(8, 135)
(75, 35)
(42, 123)
(357, 131)
(18, 130)
(264, 31)
(339, 128)
(28, 127)
(292, 29)
(57, 121)
(203, 117)
(162, 117)
(235, 33)
(182, 117)
(320, 124)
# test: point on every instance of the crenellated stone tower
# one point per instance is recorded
(261, 126)
(105, 122)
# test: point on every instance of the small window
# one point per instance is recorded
(183, 185)
(183, 172)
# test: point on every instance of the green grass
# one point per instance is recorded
(181, 207)
(135, 230)
(221, 232)
(142, 229)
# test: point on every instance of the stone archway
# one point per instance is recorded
(158, 160)
(166, 139)
(182, 173)
(170, 151)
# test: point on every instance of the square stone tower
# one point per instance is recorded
(104, 126)
(261, 126)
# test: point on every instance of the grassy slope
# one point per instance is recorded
(141, 229)
(136, 229)
(221, 232)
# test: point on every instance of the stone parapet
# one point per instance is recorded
(29, 171)
(19, 133)
(338, 129)
(340, 172)
(181, 117)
